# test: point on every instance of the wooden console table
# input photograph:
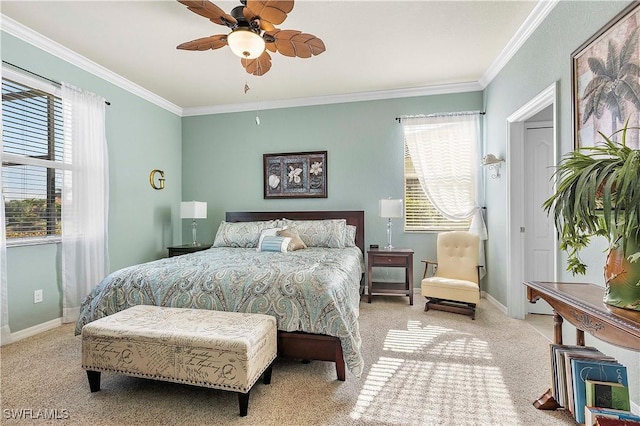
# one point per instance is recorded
(581, 304)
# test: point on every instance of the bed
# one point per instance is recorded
(313, 293)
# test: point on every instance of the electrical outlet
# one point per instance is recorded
(37, 296)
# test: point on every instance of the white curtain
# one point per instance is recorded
(85, 198)
(445, 151)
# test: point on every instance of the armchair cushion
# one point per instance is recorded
(450, 289)
(458, 255)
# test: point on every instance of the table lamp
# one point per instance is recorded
(390, 209)
(193, 210)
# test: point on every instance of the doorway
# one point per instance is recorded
(522, 213)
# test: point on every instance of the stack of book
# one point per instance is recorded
(590, 384)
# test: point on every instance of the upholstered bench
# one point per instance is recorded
(215, 349)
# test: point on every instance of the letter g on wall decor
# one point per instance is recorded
(152, 179)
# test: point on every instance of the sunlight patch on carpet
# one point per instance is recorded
(412, 392)
(437, 340)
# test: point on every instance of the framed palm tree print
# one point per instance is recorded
(606, 81)
(295, 175)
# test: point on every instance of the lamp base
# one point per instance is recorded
(389, 246)
(193, 234)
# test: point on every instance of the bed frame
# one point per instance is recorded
(297, 344)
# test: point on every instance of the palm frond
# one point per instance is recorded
(597, 193)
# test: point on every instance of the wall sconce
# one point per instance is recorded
(493, 163)
(390, 209)
(152, 179)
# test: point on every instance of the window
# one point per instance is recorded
(420, 215)
(441, 171)
(32, 162)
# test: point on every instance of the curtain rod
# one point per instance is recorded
(57, 83)
(439, 114)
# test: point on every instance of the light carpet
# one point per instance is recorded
(434, 368)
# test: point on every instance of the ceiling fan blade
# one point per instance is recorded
(205, 43)
(273, 11)
(259, 66)
(294, 43)
(210, 11)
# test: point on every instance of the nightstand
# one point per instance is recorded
(394, 258)
(186, 248)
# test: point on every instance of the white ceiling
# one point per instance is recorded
(373, 47)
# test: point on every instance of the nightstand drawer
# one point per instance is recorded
(380, 260)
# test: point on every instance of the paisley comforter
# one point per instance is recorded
(315, 290)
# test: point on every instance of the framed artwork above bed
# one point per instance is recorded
(295, 175)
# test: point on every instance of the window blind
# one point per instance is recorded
(32, 154)
(420, 214)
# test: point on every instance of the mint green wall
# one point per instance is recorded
(33, 268)
(142, 221)
(222, 160)
(543, 60)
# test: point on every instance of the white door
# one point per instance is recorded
(539, 231)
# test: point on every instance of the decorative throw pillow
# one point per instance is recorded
(241, 234)
(296, 243)
(274, 243)
(320, 233)
(269, 232)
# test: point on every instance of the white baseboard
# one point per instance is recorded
(36, 329)
(495, 302)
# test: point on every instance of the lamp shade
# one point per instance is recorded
(193, 210)
(245, 43)
(390, 208)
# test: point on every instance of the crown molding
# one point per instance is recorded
(28, 35)
(537, 15)
(335, 99)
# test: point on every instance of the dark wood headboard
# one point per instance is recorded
(353, 217)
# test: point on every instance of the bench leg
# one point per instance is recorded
(340, 371)
(266, 379)
(94, 380)
(243, 400)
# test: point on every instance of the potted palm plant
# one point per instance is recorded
(598, 194)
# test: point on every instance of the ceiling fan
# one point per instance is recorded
(253, 32)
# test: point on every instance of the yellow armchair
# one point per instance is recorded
(455, 283)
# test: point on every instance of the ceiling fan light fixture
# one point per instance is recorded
(245, 43)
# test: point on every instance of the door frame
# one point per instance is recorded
(516, 293)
